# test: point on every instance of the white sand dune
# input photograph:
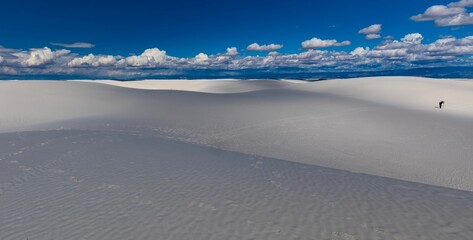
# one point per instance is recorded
(236, 159)
(381, 126)
(208, 86)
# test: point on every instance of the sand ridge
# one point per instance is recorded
(406, 92)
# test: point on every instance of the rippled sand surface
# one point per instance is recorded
(116, 185)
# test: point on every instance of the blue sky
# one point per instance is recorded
(107, 39)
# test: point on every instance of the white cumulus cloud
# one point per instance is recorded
(437, 12)
(360, 51)
(92, 60)
(152, 57)
(319, 43)
(413, 38)
(462, 3)
(232, 51)
(269, 47)
(201, 58)
(39, 56)
(446, 47)
(372, 36)
(397, 49)
(373, 29)
(452, 14)
(457, 20)
(371, 32)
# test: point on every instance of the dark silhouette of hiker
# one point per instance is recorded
(441, 104)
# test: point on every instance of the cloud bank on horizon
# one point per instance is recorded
(315, 53)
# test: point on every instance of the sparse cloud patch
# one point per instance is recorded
(74, 45)
(452, 14)
(462, 3)
(264, 47)
(372, 36)
(319, 43)
(372, 32)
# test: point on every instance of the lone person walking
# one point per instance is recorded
(441, 104)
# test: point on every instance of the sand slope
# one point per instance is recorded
(236, 160)
(381, 126)
(121, 185)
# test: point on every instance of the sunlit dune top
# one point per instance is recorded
(202, 85)
(404, 92)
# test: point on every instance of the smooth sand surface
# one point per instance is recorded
(207, 86)
(369, 158)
